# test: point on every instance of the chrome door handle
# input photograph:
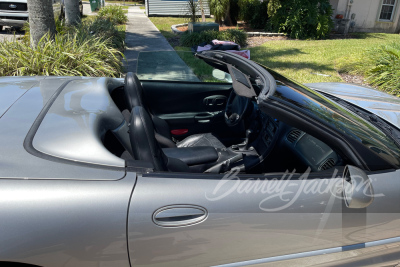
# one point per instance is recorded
(179, 215)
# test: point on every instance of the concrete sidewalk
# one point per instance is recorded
(141, 35)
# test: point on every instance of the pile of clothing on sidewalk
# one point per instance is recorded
(227, 46)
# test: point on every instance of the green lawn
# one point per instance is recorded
(298, 59)
(126, 2)
(164, 24)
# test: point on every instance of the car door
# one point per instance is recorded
(183, 90)
(209, 220)
(206, 219)
(192, 107)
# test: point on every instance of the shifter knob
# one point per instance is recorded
(249, 132)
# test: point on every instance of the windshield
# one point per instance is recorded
(337, 117)
(177, 66)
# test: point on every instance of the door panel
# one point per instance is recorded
(381, 219)
(250, 219)
(198, 107)
(236, 228)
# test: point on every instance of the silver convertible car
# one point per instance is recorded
(204, 159)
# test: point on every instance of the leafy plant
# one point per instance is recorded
(254, 12)
(115, 14)
(218, 8)
(196, 38)
(66, 55)
(385, 71)
(104, 29)
(301, 19)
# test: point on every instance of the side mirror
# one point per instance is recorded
(222, 76)
(357, 188)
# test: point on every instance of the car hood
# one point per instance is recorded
(383, 105)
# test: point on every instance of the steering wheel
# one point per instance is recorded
(235, 109)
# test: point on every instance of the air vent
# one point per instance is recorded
(293, 135)
(329, 163)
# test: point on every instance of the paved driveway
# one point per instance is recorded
(8, 34)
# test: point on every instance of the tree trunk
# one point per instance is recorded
(41, 20)
(72, 13)
(203, 16)
(227, 19)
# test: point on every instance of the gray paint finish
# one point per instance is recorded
(16, 162)
(74, 124)
(384, 105)
(65, 222)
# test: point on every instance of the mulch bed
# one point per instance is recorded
(241, 26)
(356, 79)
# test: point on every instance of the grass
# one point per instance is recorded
(299, 59)
(164, 24)
(202, 70)
(126, 2)
(142, 7)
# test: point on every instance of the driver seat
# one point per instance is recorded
(134, 95)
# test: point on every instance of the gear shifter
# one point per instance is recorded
(249, 138)
(245, 145)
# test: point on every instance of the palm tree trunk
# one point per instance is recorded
(72, 13)
(41, 20)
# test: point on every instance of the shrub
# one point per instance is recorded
(385, 71)
(104, 29)
(115, 14)
(301, 19)
(196, 38)
(218, 8)
(254, 12)
(67, 55)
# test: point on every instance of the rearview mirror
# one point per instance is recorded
(357, 188)
(222, 76)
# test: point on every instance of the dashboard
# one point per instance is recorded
(281, 147)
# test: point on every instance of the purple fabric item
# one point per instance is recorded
(204, 48)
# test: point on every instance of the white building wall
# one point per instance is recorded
(172, 8)
(367, 15)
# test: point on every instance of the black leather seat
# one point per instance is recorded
(134, 95)
(144, 145)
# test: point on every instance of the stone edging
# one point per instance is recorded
(267, 34)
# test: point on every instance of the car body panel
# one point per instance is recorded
(10, 92)
(16, 161)
(72, 127)
(65, 222)
(382, 104)
(236, 229)
(240, 230)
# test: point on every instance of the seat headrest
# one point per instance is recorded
(144, 144)
(133, 90)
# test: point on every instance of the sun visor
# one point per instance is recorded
(241, 83)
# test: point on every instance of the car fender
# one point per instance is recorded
(54, 222)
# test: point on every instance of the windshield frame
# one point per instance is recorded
(335, 116)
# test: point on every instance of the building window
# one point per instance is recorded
(387, 10)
